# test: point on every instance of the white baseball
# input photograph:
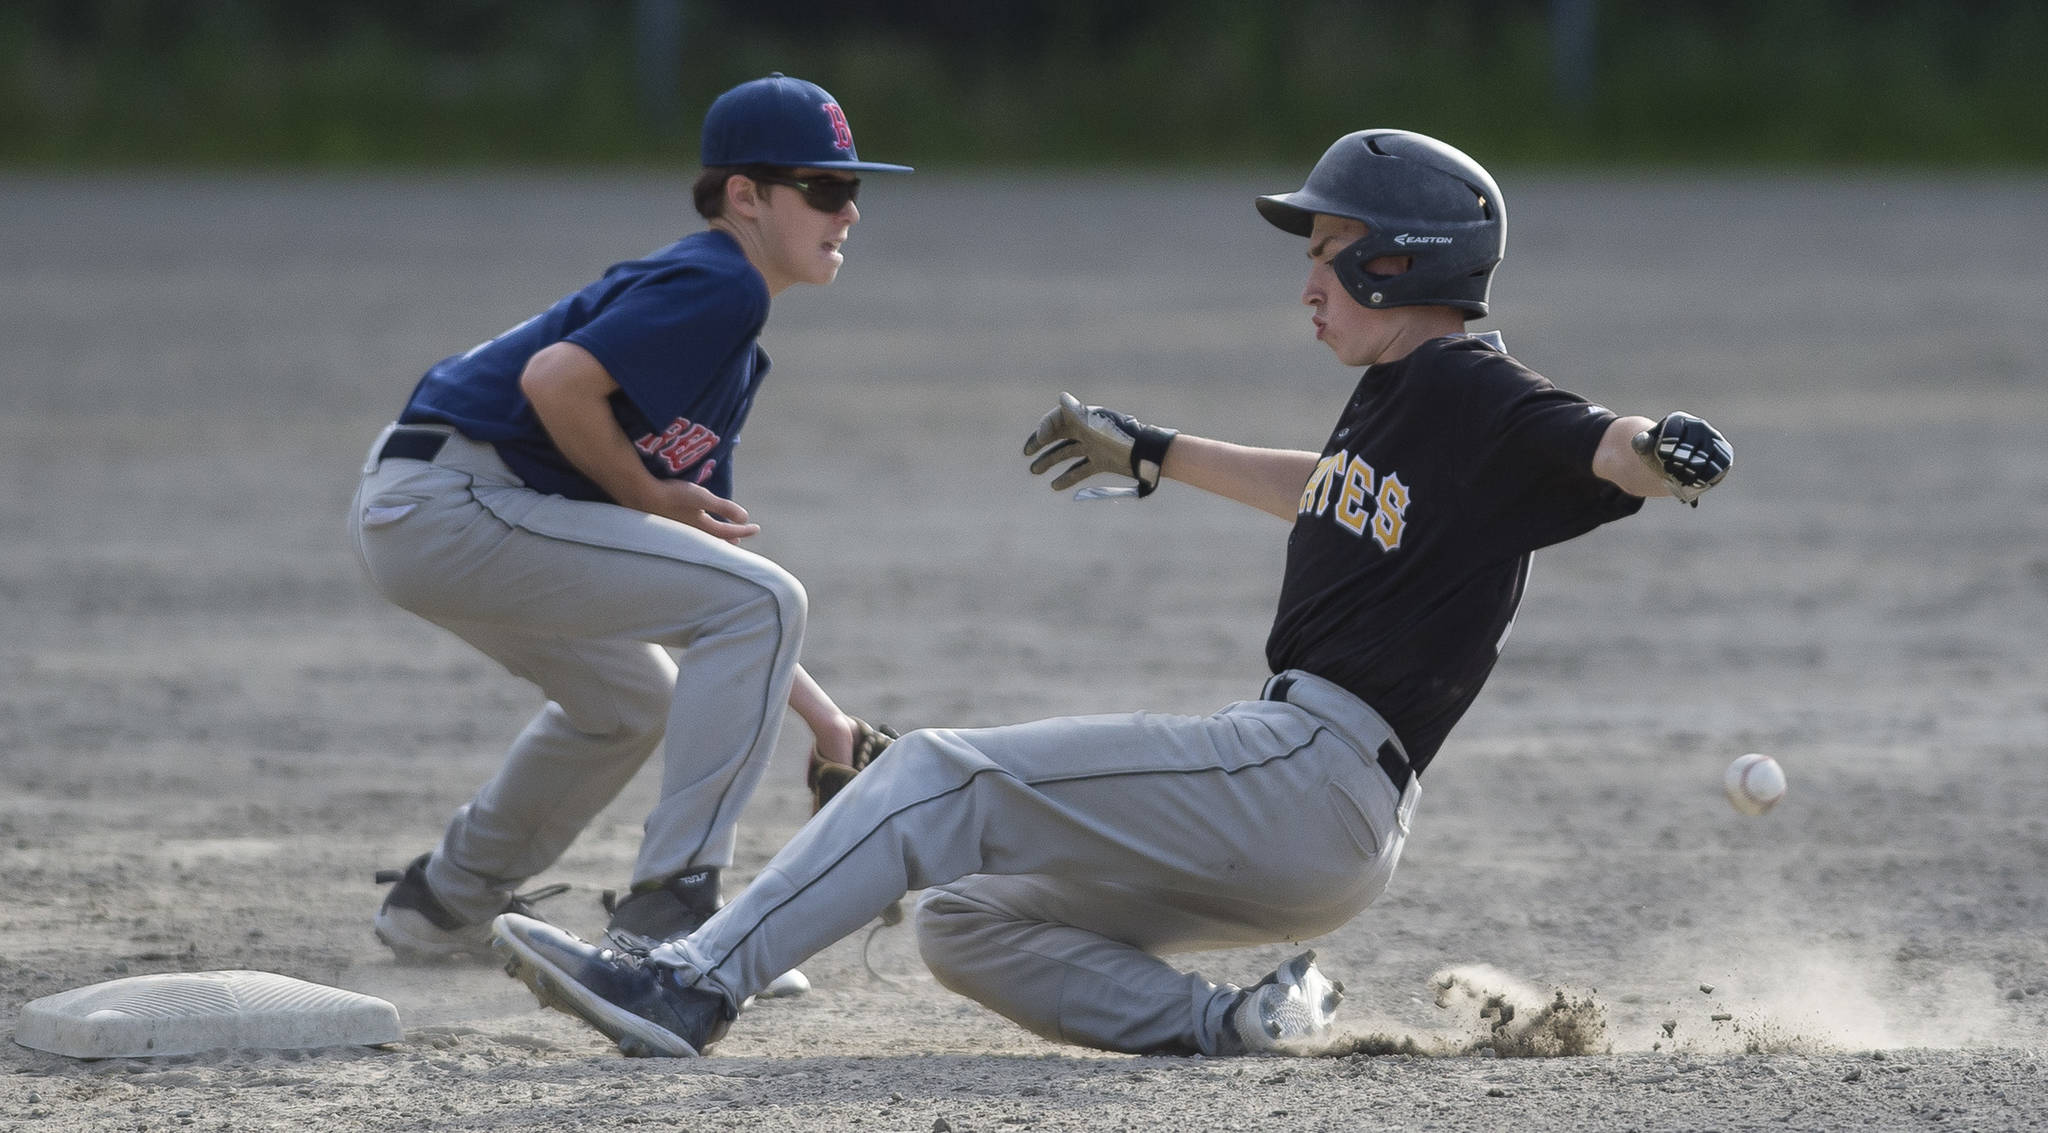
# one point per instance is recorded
(1754, 783)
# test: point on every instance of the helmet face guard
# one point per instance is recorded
(1418, 198)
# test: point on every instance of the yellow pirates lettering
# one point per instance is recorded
(1351, 504)
(1388, 521)
(1364, 498)
(1316, 495)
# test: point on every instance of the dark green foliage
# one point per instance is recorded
(945, 83)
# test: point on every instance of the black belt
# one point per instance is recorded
(412, 444)
(1391, 761)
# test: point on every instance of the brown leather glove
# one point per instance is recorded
(827, 778)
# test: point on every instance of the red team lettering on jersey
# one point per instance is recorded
(1362, 498)
(681, 445)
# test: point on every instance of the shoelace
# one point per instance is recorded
(523, 902)
(632, 951)
(635, 951)
(629, 943)
(624, 940)
(520, 903)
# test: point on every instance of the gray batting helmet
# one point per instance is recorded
(1419, 198)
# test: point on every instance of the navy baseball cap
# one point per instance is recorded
(786, 122)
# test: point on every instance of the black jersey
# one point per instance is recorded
(1407, 560)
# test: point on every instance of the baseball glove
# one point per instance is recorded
(827, 778)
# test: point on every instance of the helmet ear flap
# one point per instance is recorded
(1369, 289)
(1426, 282)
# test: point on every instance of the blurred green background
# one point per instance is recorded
(953, 83)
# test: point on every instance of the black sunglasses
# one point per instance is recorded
(826, 194)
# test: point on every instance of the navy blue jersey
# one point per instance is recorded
(1448, 468)
(676, 330)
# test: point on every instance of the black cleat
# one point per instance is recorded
(641, 1005)
(657, 911)
(654, 913)
(416, 926)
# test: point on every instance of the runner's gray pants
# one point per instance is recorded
(1065, 858)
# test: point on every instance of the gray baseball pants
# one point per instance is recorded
(1064, 858)
(586, 600)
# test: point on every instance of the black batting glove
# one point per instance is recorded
(1691, 455)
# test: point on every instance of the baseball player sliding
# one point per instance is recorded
(1064, 858)
(560, 497)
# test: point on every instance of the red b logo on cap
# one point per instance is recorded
(842, 134)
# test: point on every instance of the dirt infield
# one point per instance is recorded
(213, 732)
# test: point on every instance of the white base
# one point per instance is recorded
(188, 1012)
